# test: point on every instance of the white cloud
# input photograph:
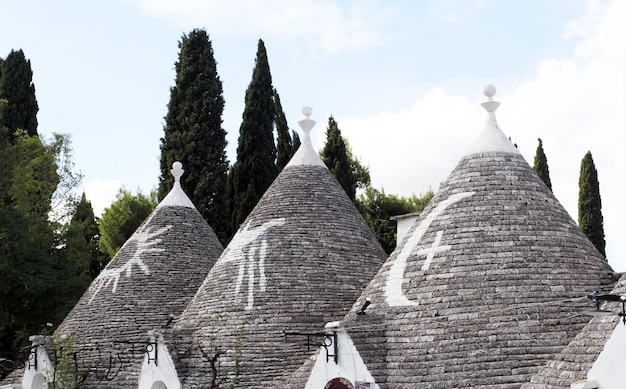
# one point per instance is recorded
(101, 193)
(574, 104)
(321, 26)
(412, 151)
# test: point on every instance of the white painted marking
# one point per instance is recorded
(395, 277)
(248, 245)
(144, 240)
(431, 251)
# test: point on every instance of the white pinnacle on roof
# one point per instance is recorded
(491, 138)
(306, 155)
(176, 197)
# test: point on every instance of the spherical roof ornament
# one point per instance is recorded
(177, 170)
(307, 124)
(490, 105)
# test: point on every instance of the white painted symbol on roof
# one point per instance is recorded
(395, 277)
(144, 240)
(248, 245)
(431, 251)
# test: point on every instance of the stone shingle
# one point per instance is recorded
(497, 301)
(155, 274)
(300, 259)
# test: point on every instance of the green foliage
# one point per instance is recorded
(377, 208)
(16, 86)
(255, 168)
(541, 165)
(214, 353)
(590, 217)
(194, 135)
(30, 177)
(285, 147)
(120, 220)
(67, 373)
(82, 242)
(37, 284)
(5, 135)
(338, 157)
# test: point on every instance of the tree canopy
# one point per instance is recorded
(120, 220)
(82, 239)
(540, 165)
(255, 168)
(41, 279)
(377, 208)
(194, 135)
(16, 86)
(338, 157)
(590, 218)
(286, 145)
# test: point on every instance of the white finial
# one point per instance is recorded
(490, 105)
(176, 197)
(307, 124)
(177, 171)
(491, 138)
(489, 91)
(306, 155)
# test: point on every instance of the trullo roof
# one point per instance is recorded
(154, 275)
(487, 285)
(300, 259)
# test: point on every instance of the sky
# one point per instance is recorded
(403, 79)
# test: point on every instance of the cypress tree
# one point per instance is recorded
(255, 168)
(335, 156)
(590, 217)
(541, 165)
(16, 86)
(285, 148)
(194, 134)
(82, 240)
(295, 143)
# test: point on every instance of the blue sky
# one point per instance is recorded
(403, 79)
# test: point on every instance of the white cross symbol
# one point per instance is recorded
(432, 250)
(395, 277)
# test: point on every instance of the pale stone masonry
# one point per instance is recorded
(485, 289)
(154, 275)
(300, 259)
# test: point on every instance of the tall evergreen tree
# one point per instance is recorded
(28, 265)
(295, 142)
(82, 240)
(255, 168)
(194, 134)
(16, 86)
(590, 217)
(335, 156)
(541, 165)
(285, 148)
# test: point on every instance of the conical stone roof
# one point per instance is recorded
(154, 275)
(574, 362)
(300, 259)
(488, 284)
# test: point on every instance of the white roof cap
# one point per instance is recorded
(176, 197)
(306, 155)
(491, 137)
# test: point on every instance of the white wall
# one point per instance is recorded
(160, 375)
(608, 368)
(349, 364)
